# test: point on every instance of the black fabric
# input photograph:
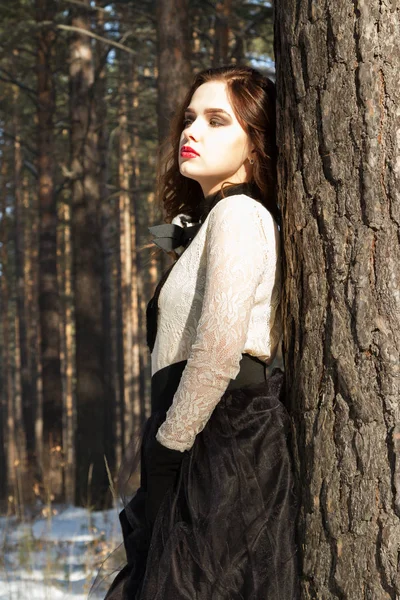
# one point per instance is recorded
(226, 529)
(152, 311)
(162, 464)
(165, 381)
(169, 236)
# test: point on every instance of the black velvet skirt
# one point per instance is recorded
(226, 531)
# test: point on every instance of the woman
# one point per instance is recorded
(214, 516)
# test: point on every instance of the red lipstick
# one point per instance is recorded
(188, 152)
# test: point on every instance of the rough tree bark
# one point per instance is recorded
(339, 187)
(92, 483)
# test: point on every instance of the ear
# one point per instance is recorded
(252, 152)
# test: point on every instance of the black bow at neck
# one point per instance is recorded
(169, 236)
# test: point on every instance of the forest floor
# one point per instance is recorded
(56, 555)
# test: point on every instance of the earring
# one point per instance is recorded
(251, 161)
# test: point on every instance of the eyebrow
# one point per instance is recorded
(208, 111)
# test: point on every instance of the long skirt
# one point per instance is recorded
(226, 531)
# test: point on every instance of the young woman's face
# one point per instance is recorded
(221, 146)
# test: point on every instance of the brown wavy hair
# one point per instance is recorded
(253, 100)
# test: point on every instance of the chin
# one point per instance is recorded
(187, 173)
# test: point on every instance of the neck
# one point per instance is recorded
(211, 199)
(232, 188)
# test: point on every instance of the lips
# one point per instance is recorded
(188, 152)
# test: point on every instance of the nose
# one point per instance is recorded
(189, 135)
(191, 132)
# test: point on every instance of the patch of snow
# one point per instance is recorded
(57, 557)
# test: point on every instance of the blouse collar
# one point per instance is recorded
(208, 202)
(180, 232)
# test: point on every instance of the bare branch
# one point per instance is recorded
(97, 37)
(10, 136)
(12, 80)
(103, 59)
(30, 167)
(31, 93)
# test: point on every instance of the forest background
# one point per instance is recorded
(87, 89)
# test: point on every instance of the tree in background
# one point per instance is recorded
(174, 71)
(49, 413)
(87, 266)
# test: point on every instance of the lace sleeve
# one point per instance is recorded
(236, 249)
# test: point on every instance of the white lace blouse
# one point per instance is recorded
(221, 299)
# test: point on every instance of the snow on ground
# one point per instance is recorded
(57, 557)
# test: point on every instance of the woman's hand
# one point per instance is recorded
(162, 468)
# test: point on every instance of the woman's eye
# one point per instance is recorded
(213, 123)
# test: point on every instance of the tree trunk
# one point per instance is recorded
(35, 343)
(23, 487)
(67, 351)
(128, 200)
(92, 483)
(222, 29)
(174, 72)
(31, 272)
(339, 182)
(8, 479)
(116, 349)
(110, 246)
(3, 407)
(25, 397)
(108, 231)
(49, 299)
(140, 352)
(124, 183)
(173, 59)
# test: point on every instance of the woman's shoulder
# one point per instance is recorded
(241, 206)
